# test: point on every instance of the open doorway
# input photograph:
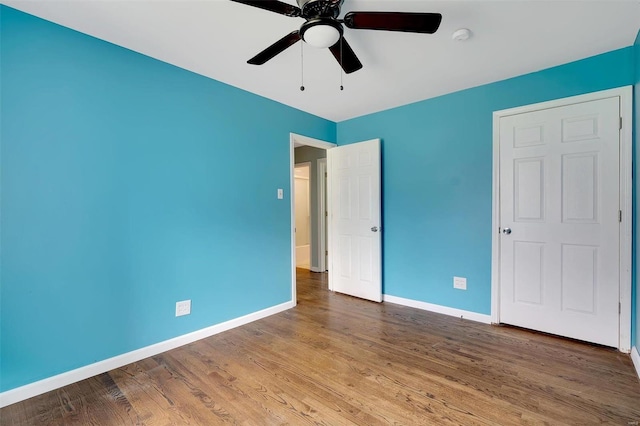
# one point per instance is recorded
(311, 153)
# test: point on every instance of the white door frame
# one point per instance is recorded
(322, 214)
(316, 143)
(626, 110)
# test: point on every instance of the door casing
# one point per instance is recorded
(322, 214)
(625, 185)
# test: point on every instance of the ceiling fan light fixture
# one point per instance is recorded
(321, 33)
(323, 28)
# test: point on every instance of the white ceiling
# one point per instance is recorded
(216, 37)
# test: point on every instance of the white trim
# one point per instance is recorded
(316, 143)
(495, 224)
(625, 95)
(439, 309)
(316, 269)
(329, 228)
(308, 141)
(635, 357)
(626, 231)
(322, 209)
(37, 388)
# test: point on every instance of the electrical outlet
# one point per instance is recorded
(183, 308)
(460, 283)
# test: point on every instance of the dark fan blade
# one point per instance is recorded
(345, 56)
(273, 6)
(394, 21)
(276, 48)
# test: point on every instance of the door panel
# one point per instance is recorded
(579, 278)
(529, 189)
(528, 260)
(354, 212)
(579, 188)
(559, 196)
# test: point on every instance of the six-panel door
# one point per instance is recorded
(355, 238)
(559, 189)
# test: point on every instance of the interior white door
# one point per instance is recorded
(354, 213)
(559, 218)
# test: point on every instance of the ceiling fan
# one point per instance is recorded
(323, 29)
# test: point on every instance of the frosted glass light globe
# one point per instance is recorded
(321, 36)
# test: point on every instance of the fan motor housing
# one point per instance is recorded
(320, 8)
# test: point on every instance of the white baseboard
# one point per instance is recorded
(36, 388)
(473, 316)
(315, 269)
(635, 357)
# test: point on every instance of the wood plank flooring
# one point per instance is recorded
(338, 360)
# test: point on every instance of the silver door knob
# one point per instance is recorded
(506, 231)
(374, 229)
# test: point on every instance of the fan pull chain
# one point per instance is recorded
(301, 67)
(341, 69)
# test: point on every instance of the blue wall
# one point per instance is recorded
(126, 186)
(437, 172)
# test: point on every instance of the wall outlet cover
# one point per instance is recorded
(183, 308)
(460, 283)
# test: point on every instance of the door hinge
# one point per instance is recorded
(325, 173)
(326, 252)
(620, 123)
(620, 216)
(326, 214)
(619, 308)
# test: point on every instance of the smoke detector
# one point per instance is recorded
(461, 35)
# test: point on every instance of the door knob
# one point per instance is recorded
(374, 229)
(506, 231)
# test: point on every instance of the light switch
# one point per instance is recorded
(280, 194)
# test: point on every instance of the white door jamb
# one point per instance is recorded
(322, 212)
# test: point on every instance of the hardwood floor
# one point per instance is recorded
(339, 360)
